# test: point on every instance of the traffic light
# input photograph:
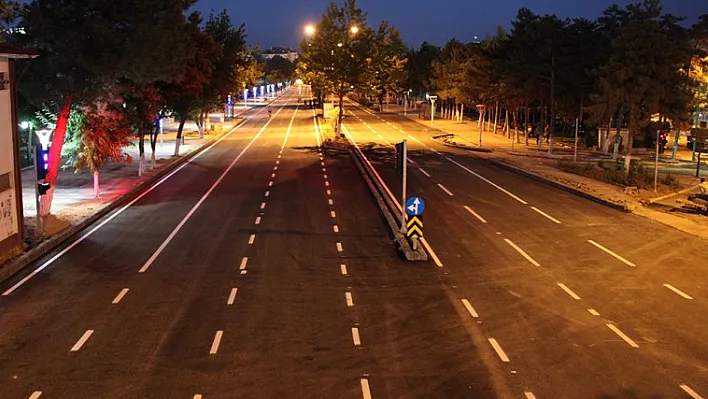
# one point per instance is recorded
(42, 161)
(400, 156)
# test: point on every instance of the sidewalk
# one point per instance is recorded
(535, 163)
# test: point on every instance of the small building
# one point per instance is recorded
(287, 53)
(11, 217)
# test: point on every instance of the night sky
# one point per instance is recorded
(279, 22)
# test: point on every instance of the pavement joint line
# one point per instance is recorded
(445, 190)
(497, 348)
(475, 214)
(529, 395)
(569, 291)
(678, 291)
(343, 269)
(348, 297)
(258, 220)
(335, 228)
(232, 296)
(216, 342)
(355, 336)
(339, 247)
(263, 205)
(424, 172)
(484, 179)
(522, 252)
(365, 389)
(432, 253)
(251, 239)
(82, 341)
(35, 395)
(621, 259)
(547, 216)
(333, 214)
(120, 296)
(244, 262)
(470, 309)
(593, 312)
(622, 335)
(690, 391)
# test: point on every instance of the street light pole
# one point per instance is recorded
(656, 162)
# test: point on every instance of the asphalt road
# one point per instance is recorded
(578, 300)
(259, 269)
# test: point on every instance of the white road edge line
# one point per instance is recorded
(217, 341)
(348, 297)
(569, 291)
(529, 395)
(690, 391)
(343, 269)
(445, 190)
(549, 217)
(244, 262)
(622, 335)
(497, 348)
(365, 390)
(469, 308)
(521, 251)
(424, 172)
(355, 336)
(475, 214)
(621, 259)
(82, 341)
(232, 296)
(35, 395)
(678, 291)
(251, 239)
(498, 187)
(120, 296)
(430, 251)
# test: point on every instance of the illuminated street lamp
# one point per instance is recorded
(354, 30)
(310, 30)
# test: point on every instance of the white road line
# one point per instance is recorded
(430, 251)
(325, 177)
(469, 308)
(497, 348)
(690, 391)
(348, 297)
(529, 395)
(275, 167)
(593, 312)
(475, 214)
(82, 340)
(217, 341)
(329, 192)
(287, 133)
(232, 296)
(330, 201)
(251, 239)
(521, 251)
(339, 247)
(424, 172)
(120, 296)
(498, 187)
(270, 184)
(622, 335)
(678, 291)
(258, 220)
(365, 390)
(244, 272)
(244, 262)
(263, 205)
(623, 260)
(549, 217)
(332, 214)
(335, 228)
(267, 194)
(445, 190)
(355, 336)
(343, 269)
(35, 395)
(272, 176)
(322, 163)
(569, 291)
(277, 162)
(324, 169)
(197, 396)
(380, 136)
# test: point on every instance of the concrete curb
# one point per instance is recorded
(464, 147)
(12, 267)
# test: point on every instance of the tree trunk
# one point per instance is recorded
(96, 190)
(153, 144)
(516, 125)
(340, 114)
(633, 127)
(462, 113)
(200, 124)
(141, 150)
(507, 124)
(496, 117)
(526, 121)
(178, 140)
(55, 156)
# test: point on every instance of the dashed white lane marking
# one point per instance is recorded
(521, 251)
(324, 169)
(569, 291)
(279, 156)
(244, 272)
(258, 220)
(326, 183)
(348, 297)
(339, 247)
(335, 228)
(232, 296)
(82, 340)
(622, 335)
(484, 179)
(445, 190)
(275, 167)
(333, 214)
(263, 205)
(678, 291)
(500, 352)
(529, 395)
(251, 239)
(365, 390)
(547, 216)
(475, 214)
(329, 192)
(343, 269)
(355, 336)
(325, 177)
(267, 194)
(272, 176)
(35, 395)
(277, 162)
(430, 251)
(621, 259)
(424, 172)
(329, 201)
(690, 391)
(593, 312)
(197, 396)
(244, 262)
(120, 296)
(322, 163)
(270, 184)
(469, 308)
(217, 341)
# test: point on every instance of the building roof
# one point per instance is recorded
(16, 52)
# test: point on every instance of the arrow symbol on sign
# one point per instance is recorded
(414, 208)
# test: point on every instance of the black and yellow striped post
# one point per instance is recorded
(414, 226)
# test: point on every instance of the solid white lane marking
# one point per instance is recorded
(120, 296)
(330, 201)
(335, 228)
(263, 205)
(678, 291)
(445, 190)
(521, 251)
(251, 239)
(621, 259)
(424, 172)
(258, 220)
(348, 297)
(232, 296)
(343, 269)
(267, 194)
(355, 336)
(475, 214)
(529, 395)
(497, 348)
(365, 390)
(287, 133)
(569, 291)
(690, 391)
(593, 312)
(333, 214)
(244, 262)
(270, 184)
(430, 251)
(217, 341)
(484, 179)
(622, 335)
(35, 395)
(82, 340)
(469, 308)
(339, 247)
(549, 217)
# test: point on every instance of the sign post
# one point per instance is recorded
(402, 164)
(414, 207)
(432, 109)
(481, 108)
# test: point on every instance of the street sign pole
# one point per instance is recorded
(698, 166)
(404, 167)
(37, 233)
(656, 162)
(575, 147)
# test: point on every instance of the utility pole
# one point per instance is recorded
(553, 99)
